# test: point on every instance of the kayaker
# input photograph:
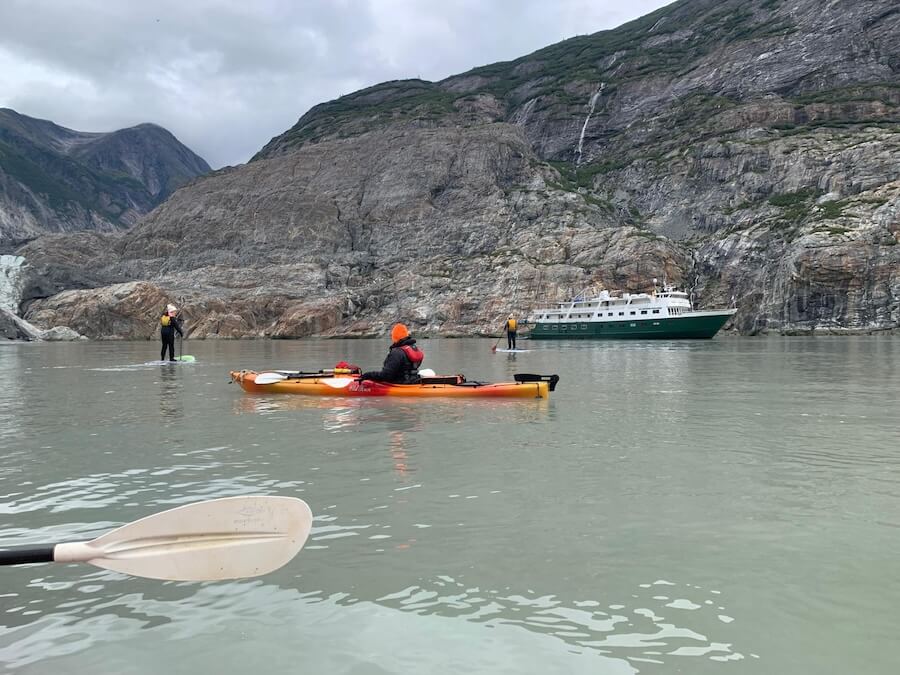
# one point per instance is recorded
(403, 360)
(510, 328)
(169, 324)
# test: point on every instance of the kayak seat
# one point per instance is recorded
(447, 379)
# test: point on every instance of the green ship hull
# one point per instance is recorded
(700, 325)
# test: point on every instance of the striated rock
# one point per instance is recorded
(304, 319)
(122, 311)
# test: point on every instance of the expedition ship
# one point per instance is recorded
(665, 315)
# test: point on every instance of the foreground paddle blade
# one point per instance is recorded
(228, 538)
(187, 358)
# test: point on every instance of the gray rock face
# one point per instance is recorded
(54, 179)
(742, 150)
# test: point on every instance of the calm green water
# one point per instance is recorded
(728, 506)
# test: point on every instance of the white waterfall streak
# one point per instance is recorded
(11, 281)
(587, 119)
(521, 117)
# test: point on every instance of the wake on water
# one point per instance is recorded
(146, 364)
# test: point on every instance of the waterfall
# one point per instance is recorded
(522, 115)
(593, 102)
(11, 281)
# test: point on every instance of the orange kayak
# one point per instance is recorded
(455, 386)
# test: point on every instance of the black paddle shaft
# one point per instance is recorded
(26, 556)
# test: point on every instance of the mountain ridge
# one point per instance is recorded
(56, 179)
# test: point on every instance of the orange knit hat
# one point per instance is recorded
(398, 332)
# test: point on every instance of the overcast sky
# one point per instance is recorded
(225, 76)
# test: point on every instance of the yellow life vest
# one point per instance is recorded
(511, 324)
(165, 320)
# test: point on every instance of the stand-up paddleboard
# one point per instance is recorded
(513, 351)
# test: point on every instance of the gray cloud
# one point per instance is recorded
(227, 75)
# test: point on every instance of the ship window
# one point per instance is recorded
(584, 326)
(656, 311)
(643, 311)
(610, 314)
(631, 313)
(621, 313)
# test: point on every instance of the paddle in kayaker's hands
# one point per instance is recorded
(403, 360)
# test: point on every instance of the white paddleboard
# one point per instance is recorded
(513, 351)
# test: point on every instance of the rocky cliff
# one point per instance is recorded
(743, 150)
(54, 179)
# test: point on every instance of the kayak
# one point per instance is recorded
(452, 386)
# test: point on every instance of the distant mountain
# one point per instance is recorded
(54, 179)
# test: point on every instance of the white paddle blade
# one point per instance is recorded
(269, 378)
(338, 382)
(426, 372)
(230, 538)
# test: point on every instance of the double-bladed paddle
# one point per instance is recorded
(229, 538)
(327, 376)
(271, 377)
